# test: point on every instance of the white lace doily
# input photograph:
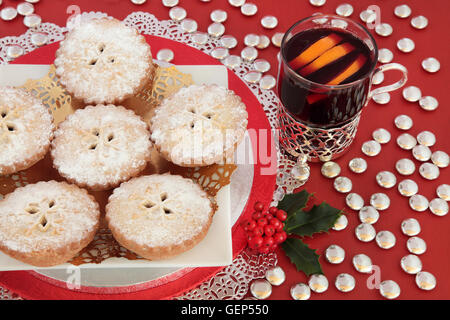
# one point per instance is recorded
(233, 281)
(5, 294)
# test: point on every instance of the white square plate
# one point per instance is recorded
(214, 250)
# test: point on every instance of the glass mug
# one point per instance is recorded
(324, 80)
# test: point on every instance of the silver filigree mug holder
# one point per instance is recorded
(325, 144)
(316, 144)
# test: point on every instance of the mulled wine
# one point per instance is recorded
(318, 63)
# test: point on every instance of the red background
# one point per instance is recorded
(430, 42)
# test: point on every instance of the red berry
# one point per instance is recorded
(269, 230)
(273, 247)
(273, 210)
(258, 231)
(256, 242)
(257, 215)
(277, 224)
(279, 237)
(268, 241)
(263, 249)
(268, 216)
(262, 222)
(258, 206)
(249, 224)
(281, 215)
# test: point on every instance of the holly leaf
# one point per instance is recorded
(293, 202)
(303, 257)
(319, 219)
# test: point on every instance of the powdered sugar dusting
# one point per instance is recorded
(159, 210)
(103, 61)
(69, 213)
(101, 145)
(199, 124)
(26, 127)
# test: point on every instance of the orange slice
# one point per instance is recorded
(327, 57)
(354, 67)
(315, 50)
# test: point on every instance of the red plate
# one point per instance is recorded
(31, 285)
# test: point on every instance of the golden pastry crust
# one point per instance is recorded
(160, 252)
(159, 216)
(99, 147)
(199, 125)
(104, 61)
(47, 223)
(26, 130)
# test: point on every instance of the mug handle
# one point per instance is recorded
(395, 85)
